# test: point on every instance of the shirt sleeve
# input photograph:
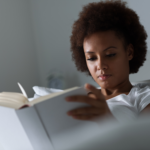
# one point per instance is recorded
(142, 97)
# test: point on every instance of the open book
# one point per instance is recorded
(46, 123)
(20, 100)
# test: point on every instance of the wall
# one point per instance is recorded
(18, 60)
(34, 30)
(52, 23)
(142, 9)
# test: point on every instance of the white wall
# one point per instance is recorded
(52, 23)
(35, 39)
(18, 60)
(142, 9)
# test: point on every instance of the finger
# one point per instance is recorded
(90, 94)
(95, 91)
(89, 87)
(83, 99)
(85, 111)
(84, 117)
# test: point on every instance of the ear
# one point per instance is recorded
(130, 51)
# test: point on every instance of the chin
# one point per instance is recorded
(105, 84)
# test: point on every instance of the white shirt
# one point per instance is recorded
(128, 107)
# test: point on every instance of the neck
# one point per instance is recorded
(121, 88)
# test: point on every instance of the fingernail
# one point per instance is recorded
(88, 86)
(68, 99)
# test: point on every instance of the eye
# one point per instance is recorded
(91, 59)
(110, 55)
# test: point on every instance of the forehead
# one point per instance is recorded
(102, 40)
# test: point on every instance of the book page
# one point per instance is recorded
(12, 100)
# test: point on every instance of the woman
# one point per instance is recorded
(108, 42)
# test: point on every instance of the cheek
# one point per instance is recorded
(92, 69)
(120, 66)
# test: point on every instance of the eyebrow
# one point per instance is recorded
(104, 49)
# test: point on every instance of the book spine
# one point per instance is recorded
(34, 128)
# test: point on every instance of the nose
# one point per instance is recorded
(101, 64)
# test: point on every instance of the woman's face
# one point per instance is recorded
(105, 54)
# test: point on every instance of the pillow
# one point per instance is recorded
(42, 91)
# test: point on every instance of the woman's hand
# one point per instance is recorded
(98, 106)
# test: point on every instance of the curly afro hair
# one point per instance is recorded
(109, 15)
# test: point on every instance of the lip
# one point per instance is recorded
(104, 77)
